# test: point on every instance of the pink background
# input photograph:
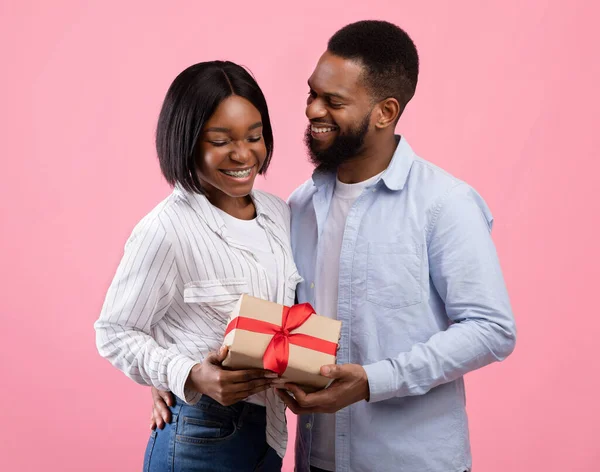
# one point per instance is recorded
(507, 100)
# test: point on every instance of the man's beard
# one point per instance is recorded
(343, 148)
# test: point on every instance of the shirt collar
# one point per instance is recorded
(209, 214)
(394, 177)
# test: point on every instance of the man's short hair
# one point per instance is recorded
(386, 52)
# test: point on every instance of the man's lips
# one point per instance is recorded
(322, 131)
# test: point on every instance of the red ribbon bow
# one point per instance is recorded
(277, 354)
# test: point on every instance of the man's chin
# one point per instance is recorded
(318, 149)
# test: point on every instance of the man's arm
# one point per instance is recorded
(466, 273)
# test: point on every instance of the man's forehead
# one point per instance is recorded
(335, 74)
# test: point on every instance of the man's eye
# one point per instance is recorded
(335, 105)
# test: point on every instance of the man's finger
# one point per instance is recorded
(164, 412)
(161, 410)
(167, 397)
(332, 371)
(160, 424)
(161, 399)
(299, 394)
(321, 399)
(290, 402)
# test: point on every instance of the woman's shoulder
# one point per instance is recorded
(160, 220)
(272, 205)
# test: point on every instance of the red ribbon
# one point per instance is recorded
(277, 353)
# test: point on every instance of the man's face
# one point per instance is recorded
(339, 109)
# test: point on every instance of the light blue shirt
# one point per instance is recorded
(422, 302)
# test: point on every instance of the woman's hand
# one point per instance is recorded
(228, 386)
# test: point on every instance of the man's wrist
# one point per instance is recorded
(380, 376)
(365, 384)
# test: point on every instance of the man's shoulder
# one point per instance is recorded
(428, 178)
(438, 188)
(302, 195)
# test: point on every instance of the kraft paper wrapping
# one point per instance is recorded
(246, 348)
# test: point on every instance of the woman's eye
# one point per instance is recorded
(255, 139)
(218, 143)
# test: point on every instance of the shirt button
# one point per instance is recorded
(312, 285)
(308, 425)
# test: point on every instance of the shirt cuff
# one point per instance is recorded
(178, 373)
(380, 376)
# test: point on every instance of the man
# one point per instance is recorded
(401, 253)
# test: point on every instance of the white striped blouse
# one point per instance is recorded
(179, 278)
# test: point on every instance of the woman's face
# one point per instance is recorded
(231, 149)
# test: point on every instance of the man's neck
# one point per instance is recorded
(374, 160)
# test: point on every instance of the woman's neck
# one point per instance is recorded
(239, 207)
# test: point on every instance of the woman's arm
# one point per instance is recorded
(138, 297)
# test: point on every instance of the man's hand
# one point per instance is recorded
(161, 414)
(350, 385)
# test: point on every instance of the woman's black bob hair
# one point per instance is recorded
(191, 100)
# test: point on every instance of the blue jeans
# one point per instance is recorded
(209, 437)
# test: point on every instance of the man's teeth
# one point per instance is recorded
(314, 129)
(238, 173)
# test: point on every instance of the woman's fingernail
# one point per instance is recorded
(271, 375)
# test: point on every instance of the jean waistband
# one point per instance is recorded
(206, 403)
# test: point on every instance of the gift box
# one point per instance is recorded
(292, 341)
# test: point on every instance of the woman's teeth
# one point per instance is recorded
(240, 174)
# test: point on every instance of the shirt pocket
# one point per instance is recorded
(218, 297)
(394, 274)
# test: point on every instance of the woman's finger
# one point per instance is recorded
(243, 390)
(243, 376)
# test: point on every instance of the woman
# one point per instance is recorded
(185, 266)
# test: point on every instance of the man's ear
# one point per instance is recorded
(388, 112)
